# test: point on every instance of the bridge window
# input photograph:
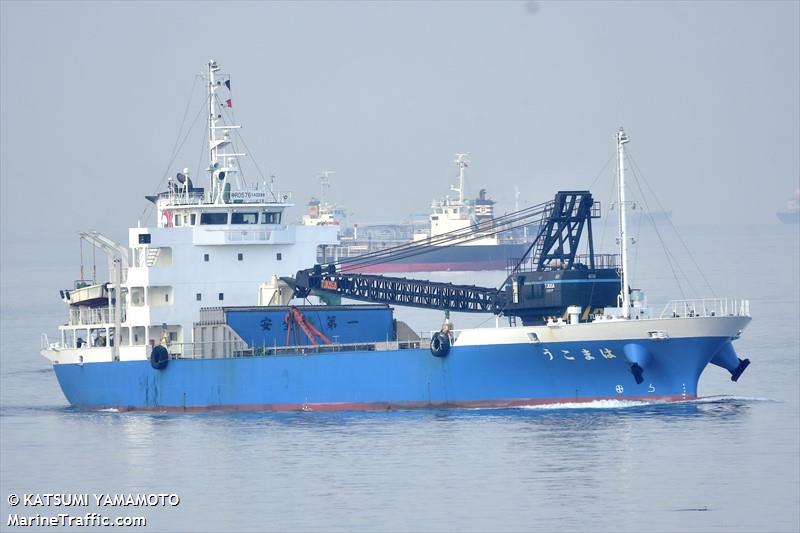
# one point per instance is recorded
(270, 218)
(244, 218)
(213, 218)
(97, 337)
(178, 220)
(193, 219)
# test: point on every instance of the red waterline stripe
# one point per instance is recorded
(393, 406)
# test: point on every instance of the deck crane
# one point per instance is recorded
(550, 277)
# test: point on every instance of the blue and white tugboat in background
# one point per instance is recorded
(187, 322)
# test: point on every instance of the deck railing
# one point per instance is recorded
(706, 307)
(530, 263)
(198, 198)
(87, 316)
(600, 260)
(227, 349)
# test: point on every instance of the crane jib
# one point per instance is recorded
(548, 278)
(402, 291)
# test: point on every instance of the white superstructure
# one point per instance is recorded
(321, 212)
(209, 247)
(449, 215)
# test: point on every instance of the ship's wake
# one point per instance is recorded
(724, 398)
(633, 404)
(595, 404)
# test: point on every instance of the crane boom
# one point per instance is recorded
(400, 291)
(548, 278)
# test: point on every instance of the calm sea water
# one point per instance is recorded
(728, 462)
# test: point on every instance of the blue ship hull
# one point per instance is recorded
(469, 376)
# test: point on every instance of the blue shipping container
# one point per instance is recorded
(267, 326)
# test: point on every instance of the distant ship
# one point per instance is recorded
(491, 250)
(792, 213)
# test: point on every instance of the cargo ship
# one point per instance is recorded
(792, 213)
(479, 252)
(197, 315)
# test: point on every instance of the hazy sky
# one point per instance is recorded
(384, 93)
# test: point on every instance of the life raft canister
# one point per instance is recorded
(440, 344)
(159, 357)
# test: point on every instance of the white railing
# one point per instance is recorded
(706, 307)
(234, 348)
(86, 316)
(208, 349)
(355, 249)
(178, 198)
(47, 345)
(195, 198)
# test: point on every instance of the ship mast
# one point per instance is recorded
(461, 161)
(222, 165)
(324, 183)
(622, 139)
(212, 123)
